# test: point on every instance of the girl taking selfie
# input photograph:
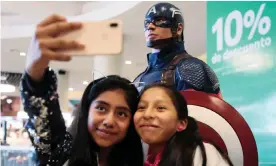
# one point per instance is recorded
(102, 133)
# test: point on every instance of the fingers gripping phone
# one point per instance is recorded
(99, 38)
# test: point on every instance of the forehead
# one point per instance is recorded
(113, 98)
(155, 94)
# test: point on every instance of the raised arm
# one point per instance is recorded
(46, 125)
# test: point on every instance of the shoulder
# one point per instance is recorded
(198, 74)
(214, 158)
(190, 62)
(193, 64)
(191, 67)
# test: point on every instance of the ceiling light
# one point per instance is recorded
(22, 54)
(6, 88)
(25, 134)
(70, 89)
(9, 101)
(85, 82)
(3, 78)
(128, 62)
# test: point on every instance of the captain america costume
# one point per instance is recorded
(188, 72)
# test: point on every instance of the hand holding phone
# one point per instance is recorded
(44, 45)
(56, 39)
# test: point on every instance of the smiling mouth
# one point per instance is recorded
(148, 126)
(104, 133)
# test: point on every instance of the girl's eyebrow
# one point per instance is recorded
(107, 104)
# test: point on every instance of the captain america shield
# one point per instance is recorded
(222, 124)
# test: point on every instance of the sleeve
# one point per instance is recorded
(197, 75)
(214, 158)
(45, 126)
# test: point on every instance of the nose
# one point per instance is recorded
(150, 26)
(148, 114)
(109, 120)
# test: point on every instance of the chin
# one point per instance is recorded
(104, 144)
(151, 40)
(149, 140)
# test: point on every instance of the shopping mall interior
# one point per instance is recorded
(244, 118)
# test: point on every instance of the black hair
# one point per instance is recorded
(180, 149)
(129, 151)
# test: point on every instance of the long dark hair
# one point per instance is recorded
(129, 151)
(181, 147)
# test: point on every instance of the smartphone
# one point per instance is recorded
(99, 37)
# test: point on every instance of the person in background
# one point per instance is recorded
(169, 62)
(102, 133)
(163, 123)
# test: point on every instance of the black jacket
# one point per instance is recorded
(46, 126)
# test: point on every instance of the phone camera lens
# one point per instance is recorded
(114, 25)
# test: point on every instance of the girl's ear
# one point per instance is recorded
(182, 125)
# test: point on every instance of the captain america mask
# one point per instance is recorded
(164, 23)
(158, 21)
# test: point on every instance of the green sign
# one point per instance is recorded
(241, 49)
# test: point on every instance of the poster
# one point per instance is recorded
(241, 49)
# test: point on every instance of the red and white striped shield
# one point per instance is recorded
(220, 123)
